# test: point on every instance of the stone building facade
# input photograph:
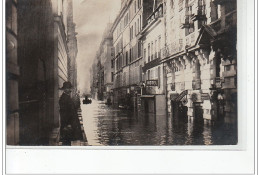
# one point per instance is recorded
(106, 72)
(201, 59)
(182, 56)
(42, 57)
(128, 51)
(72, 48)
(153, 39)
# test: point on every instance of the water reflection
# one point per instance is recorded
(108, 126)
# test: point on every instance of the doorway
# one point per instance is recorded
(198, 113)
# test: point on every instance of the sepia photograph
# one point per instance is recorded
(121, 73)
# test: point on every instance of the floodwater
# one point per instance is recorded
(105, 125)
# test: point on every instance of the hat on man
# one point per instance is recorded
(66, 85)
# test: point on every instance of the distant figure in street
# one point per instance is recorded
(70, 129)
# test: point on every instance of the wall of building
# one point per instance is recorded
(12, 69)
(194, 69)
(43, 60)
(35, 58)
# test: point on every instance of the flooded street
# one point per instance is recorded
(105, 125)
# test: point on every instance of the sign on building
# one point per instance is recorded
(151, 82)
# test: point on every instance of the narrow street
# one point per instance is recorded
(105, 125)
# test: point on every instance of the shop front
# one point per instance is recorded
(178, 106)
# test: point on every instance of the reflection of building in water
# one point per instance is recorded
(43, 59)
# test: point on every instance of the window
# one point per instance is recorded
(112, 76)
(140, 73)
(131, 33)
(139, 4)
(189, 21)
(135, 7)
(144, 54)
(172, 3)
(126, 58)
(138, 25)
(117, 67)
(135, 28)
(112, 63)
(149, 52)
(112, 51)
(126, 20)
(159, 47)
(155, 49)
(159, 76)
(140, 22)
(218, 11)
(139, 49)
(152, 51)
(130, 57)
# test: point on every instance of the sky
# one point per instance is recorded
(91, 18)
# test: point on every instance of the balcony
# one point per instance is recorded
(222, 1)
(151, 64)
(225, 22)
(158, 13)
(199, 14)
(196, 84)
(185, 26)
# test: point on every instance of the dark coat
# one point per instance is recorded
(68, 116)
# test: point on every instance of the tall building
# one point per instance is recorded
(128, 50)
(177, 57)
(94, 82)
(42, 57)
(106, 60)
(153, 98)
(102, 73)
(201, 59)
(72, 47)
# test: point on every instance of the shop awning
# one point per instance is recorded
(147, 96)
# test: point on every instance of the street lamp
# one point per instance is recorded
(142, 86)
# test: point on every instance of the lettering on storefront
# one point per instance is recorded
(205, 96)
(151, 82)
